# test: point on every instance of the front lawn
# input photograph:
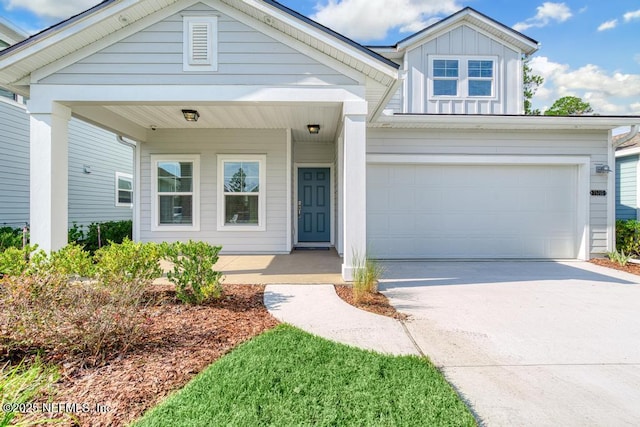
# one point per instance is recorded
(287, 377)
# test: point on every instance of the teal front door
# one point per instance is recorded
(314, 215)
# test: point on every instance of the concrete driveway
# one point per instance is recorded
(528, 343)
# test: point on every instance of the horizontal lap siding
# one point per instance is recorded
(154, 56)
(626, 187)
(208, 144)
(14, 165)
(537, 143)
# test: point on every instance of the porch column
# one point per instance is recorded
(49, 177)
(354, 184)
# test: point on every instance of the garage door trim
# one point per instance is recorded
(582, 162)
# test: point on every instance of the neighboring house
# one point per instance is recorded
(97, 163)
(261, 130)
(626, 175)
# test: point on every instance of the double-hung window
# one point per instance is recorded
(175, 185)
(241, 192)
(445, 77)
(124, 189)
(480, 77)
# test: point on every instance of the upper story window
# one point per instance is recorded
(200, 43)
(462, 77)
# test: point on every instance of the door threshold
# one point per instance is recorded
(310, 246)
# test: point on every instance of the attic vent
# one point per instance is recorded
(200, 43)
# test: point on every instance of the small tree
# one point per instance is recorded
(569, 106)
(531, 84)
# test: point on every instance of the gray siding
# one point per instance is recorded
(541, 143)
(14, 164)
(154, 56)
(462, 41)
(208, 144)
(626, 187)
(314, 152)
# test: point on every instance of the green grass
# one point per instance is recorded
(287, 377)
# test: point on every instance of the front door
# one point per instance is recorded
(314, 215)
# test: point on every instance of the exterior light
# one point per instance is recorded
(603, 169)
(314, 129)
(191, 115)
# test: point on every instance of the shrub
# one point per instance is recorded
(110, 232)
(619, 257)
(192, 273)
(628, 236)
(366, 274)
(15, 261)
(10, 238)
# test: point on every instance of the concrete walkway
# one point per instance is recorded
(319, 310)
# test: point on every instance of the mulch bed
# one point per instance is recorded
(179, 342)
(629, 268)
(375, 303)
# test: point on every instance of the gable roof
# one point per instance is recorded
(497, 29)
(110, 16)
(630, 144)
(9, 33)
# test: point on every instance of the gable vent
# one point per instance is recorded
(200, 47)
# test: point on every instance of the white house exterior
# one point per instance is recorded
(422, 150)
(98, 164)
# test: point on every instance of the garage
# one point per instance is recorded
(475, 211)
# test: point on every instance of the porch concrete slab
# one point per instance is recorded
(319, 310)
(528, 343)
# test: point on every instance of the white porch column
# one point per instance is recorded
(354, 184)
(49, 177)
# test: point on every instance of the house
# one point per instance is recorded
(100, 168)
(626, 175)
(261, 130)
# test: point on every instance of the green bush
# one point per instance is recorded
(110, 232)
(10, 238)
(15, 261)
(128, 263)
(628, 237)
(193, 274)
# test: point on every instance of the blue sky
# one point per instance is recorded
(589, 48)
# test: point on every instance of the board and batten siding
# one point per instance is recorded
(520, 143)
(459, 42)
(14, 164)
(627, 187)
(208, 143)
(155, 56)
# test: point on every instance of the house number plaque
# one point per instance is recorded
(598, 192)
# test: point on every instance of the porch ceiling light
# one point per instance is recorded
(314, 129)
(191, 115)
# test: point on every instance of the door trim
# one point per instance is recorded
(332, 213)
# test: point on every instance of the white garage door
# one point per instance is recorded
(472, 211)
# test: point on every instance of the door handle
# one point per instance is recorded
(299, 208)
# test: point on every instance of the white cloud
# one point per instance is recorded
(609, 25)
(607, 92)
(629, 16)
(51, 8)
(547, 13)
(374, 18)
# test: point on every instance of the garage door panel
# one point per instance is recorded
(480, 211)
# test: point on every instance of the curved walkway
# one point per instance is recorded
(319, 310)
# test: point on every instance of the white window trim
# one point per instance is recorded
(463, 77)
(121, 175)
(155, 209)
(211, 23)
(262, 193)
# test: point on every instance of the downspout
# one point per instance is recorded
(133, 146)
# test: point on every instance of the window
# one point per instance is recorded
(445, 77)
(480, 78)
(200, 43)
(124, 189)
(241, 192)
(175, 186)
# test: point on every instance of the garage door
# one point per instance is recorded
(472, 211)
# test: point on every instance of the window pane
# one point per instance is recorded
(445, 68)
(241, 210)
(445, 87)
(125, 184)
(125, 196)
(176, 209)
(175, 177)
(480, 88)
(241, 177)
(481, 69)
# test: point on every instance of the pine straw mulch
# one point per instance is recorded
(629, 268)
(179, 342)
(375, 303)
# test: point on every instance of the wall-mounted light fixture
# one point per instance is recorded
(86, 169)
(314, 129)
(191, 115)
(603, 169)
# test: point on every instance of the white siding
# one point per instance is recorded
(461, 41)
(539, 143)
(14, 165)
(208, 144)
(155, 55)
(314, 152)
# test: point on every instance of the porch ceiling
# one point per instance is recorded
(235, 116)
